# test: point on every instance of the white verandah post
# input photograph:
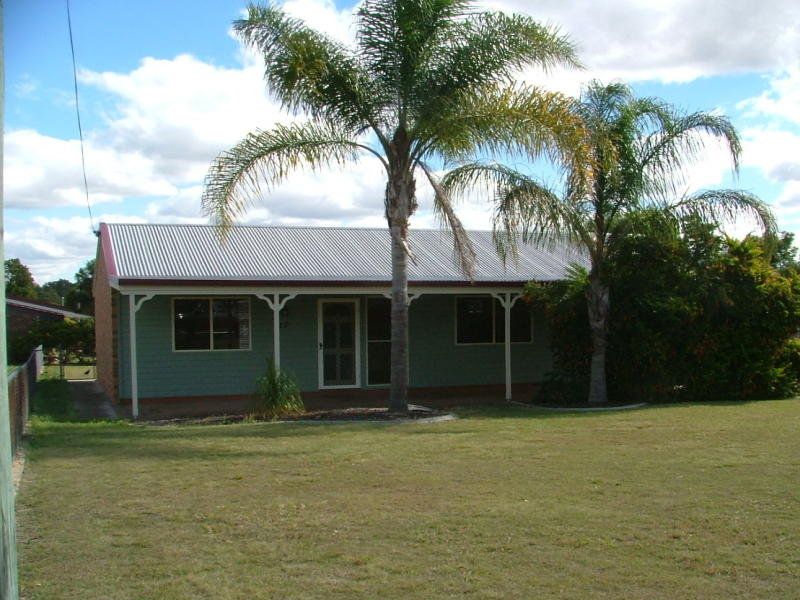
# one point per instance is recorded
(276, 304)
(507, 301)
(134, 370)
(133, 308)
(276, 328)
(507, 307)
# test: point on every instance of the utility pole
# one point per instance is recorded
(9, 587)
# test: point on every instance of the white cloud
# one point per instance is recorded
(26, 87)
(775, 152)
(323, 16)
(782, 99)
(182, 112)
(44, 172)
(671, 40)
(772, 143)
(54, 247)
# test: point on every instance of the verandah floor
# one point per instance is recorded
(675, 501)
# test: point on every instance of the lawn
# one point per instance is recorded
(70, 371)
(695, 501)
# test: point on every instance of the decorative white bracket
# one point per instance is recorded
(411, 297)
(141, 301)
(505, 298)
(276, 300)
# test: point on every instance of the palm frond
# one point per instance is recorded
(524, 209)
(263, 159)
(519, 120)
(307, 71)
(463, 250)
(681, 139)
(719, 206)
(397, 37)
(487, 48)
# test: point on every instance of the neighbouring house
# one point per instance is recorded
(22, 313)
(185, 323)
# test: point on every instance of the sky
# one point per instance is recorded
(165, 86)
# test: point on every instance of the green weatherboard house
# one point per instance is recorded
(185, 324)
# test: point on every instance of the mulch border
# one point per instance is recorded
(320, 417)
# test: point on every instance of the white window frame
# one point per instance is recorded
(494, 341)
(357, 333)
(210, 300)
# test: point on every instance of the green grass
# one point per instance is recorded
(70, 371)
(694, 501)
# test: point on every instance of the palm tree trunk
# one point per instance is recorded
(399, 206)
(398, 396)
(599, 302)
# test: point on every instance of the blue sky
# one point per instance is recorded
(164, 87)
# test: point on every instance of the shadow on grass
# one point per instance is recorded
(52, 400)
(522, 412)
(124, 440)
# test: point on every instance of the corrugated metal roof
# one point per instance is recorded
(319, 254)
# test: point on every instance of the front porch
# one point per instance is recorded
(468, 344)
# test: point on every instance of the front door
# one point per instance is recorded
(338, 343)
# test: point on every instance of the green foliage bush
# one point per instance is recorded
(694, 315)
(68, 340)
(277, 393)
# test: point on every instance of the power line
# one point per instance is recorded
(78, 114)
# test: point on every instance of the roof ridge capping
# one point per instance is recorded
(298, 227)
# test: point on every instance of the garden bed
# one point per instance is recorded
(355, 414)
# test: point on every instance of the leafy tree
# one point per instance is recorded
(784, 253)
(79, 297)
(638, 148)
(428, 81)
(55, 291)
(19, 281)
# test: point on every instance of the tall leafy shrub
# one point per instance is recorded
(696, 316)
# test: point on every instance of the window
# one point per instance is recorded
(379, 336)
(211, 323)
(481, 320)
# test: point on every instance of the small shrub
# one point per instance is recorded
(277, 393)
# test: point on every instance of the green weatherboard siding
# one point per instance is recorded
(435, 359)
(164, 373)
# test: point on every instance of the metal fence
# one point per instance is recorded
(71, 371)
(21, 383)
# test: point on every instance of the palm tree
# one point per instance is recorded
(428, 82)
(638, 149)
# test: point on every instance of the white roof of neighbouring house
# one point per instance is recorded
(320, 255)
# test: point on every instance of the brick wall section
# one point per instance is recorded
(105, 327)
